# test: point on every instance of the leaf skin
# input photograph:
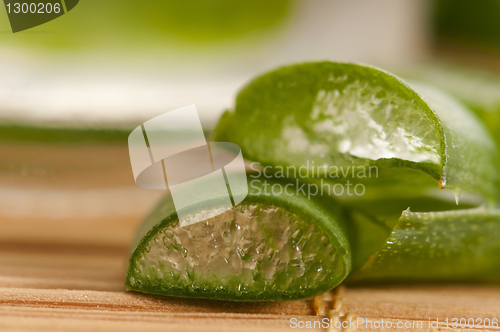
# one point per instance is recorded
(448, 246)
(308, 112)
(478, 89)
(322, 212)
(335, 113)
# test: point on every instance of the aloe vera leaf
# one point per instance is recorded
(434, 149)
(269, 247)
(388, 211)
(341, 114)
(459, 245)
(478, 89)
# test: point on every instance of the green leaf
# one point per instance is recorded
(448, 246)
(320, 117)
(270, 247)
(341, 114)
(478, 89)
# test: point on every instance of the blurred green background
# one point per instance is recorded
(153, 23)
(111, 62)
(467, 23)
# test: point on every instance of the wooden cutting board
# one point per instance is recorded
(63, 254)
(69, 287)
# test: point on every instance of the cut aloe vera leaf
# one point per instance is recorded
(341, 114)
(476, 88)
(447, 246)
(388, 211)
(269, 247)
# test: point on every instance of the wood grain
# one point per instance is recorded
(80, 288)
(64, 251)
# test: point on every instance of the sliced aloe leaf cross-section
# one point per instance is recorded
(342, 114)
(269, 247)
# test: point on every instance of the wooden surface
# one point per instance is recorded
(80, 288)
(63, 254)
